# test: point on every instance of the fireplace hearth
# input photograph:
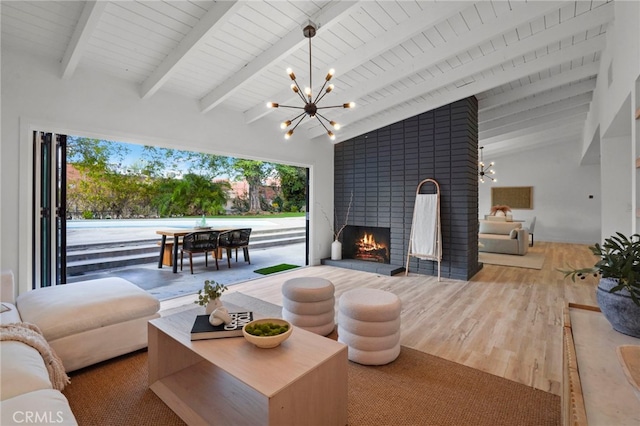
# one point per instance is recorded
(367, 243)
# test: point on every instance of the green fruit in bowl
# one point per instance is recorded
(267, 329)
(267, 332)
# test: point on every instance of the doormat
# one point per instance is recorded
(276, 268)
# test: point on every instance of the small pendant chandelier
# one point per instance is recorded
(310, 108)
(488, 172)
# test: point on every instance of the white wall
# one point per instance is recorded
(618, 174)
(622, 56)
(561, 189)
(90, 104)
(610, 119)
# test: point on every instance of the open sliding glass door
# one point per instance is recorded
(49, 207)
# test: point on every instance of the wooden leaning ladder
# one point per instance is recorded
(438, 256)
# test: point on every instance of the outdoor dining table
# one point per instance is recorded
(176, 234)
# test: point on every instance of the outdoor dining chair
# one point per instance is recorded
(200, 242)
(235, 239)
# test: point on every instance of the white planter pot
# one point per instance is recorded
(213, 305)
(336, 250)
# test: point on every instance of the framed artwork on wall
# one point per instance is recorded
(516, 197)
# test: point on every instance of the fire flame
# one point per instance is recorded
(368, 242)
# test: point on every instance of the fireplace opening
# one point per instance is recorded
(367, 243)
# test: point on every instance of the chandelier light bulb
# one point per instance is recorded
(311, 106)
(330, 74)
(285, 124)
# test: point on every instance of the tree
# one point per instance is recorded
(255, 173)
(293, 184)
(94, 154)
(102, 188)
(196, 195)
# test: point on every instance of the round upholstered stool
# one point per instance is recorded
(369, 324)
(309, 303)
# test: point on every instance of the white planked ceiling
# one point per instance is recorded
(532, 65)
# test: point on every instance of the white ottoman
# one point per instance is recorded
(309, 303)
(369, 324)
(90, 321)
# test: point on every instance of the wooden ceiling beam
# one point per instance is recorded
(544, 115)
(565, 118)
(284, 47)
(217, 16)
(376, 121)
(538, 100)
(89, 19)
(391, 38)
(541, 109)
(470, 70)
(534, 139)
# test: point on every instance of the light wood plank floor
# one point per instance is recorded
(505, 321)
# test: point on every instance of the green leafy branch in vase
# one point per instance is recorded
(211, 291)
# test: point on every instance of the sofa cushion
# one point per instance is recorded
(68, 309)
(503, 244)
(492, 227)
(22, 369)
(9, 314)
(495, 218)
(43, 407)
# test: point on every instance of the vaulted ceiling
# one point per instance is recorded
(532, 65)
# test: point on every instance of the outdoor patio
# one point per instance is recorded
(162, 282)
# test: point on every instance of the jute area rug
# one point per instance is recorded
(415, 389)
(531, 260)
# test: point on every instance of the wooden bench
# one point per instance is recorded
(167, 255)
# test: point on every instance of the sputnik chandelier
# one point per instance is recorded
(482, 171)
(310, 108)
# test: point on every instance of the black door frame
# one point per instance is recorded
(49, 196)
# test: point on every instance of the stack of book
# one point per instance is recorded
(202, 329)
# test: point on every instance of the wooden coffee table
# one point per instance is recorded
(230, 381)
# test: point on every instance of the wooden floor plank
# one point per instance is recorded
(506, 321)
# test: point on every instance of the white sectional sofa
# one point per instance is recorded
(84, 323)
(502, 237)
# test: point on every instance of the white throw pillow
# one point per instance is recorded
(513, 234)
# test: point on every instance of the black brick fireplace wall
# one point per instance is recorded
(384, 167)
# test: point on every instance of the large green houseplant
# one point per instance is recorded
(618, 291)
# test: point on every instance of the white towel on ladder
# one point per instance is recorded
(424, 239)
